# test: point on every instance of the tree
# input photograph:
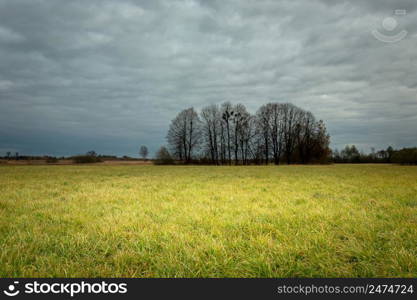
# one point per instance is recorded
(227, 115)
(246, 133)
(91, 153)
(306, 131)
(405, 156)
(350, 154)
(276, 130)
(291, 123)
(240, 121)
(263, 117)
(8, 154)
(390, 153)
(336, 156)
(163, 157)
(184, 134)
(211, 123)
(320, 145)
(143, 152)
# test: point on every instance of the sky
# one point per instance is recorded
(110, 75)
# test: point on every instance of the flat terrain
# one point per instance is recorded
(70, 162)
(194, 221)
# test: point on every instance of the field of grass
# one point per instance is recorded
(194, 221)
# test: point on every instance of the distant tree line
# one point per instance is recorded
(89, 157)
(350, 154)
(16, 156)
(93, 157)
(228, 134)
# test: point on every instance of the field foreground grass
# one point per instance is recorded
(193, 221)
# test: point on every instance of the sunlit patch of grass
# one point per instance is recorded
(194, 221)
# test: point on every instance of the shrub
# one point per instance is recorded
(89, 158)
(51, 160)
(163, 157)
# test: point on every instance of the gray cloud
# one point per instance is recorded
(110, 75)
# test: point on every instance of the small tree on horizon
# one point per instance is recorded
(143, 152)
(91, 153)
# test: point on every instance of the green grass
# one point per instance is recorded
(193, 221)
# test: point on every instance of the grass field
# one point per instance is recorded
(192, 221)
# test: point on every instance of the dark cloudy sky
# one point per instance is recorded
(110, 75)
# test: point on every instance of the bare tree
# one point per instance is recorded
(276, 130)
(91, 153)
(8, 154)
(227, 115)
(211, 128)
(177, 138)
(285, 128)
(321, 143)
(247, 133)
(291, 119)
(222, 138)
(305, 132)
(184, 134)
(240, 123)
(263, 117)
(143, 152)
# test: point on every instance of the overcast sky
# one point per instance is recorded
(110, 75)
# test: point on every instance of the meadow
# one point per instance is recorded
(207, 221)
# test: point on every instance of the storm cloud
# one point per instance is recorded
(110, 75)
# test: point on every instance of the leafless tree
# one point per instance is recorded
(263, 117)
(305, 132)
(276, 130)
(247, 136)
(291, 119)
(240, 121)
(143, 152)
(320, 149)
(227, 116)
(211, 128)
(184, 134)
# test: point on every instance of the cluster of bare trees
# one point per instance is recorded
(229, 134)
(9, 155)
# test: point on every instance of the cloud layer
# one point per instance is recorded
(110, 75)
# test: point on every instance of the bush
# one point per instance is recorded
(163, 157)
(90, 158)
